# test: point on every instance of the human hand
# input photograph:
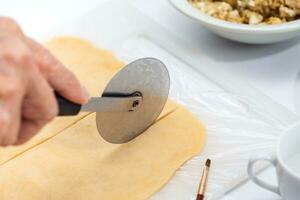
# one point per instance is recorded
(29, 75)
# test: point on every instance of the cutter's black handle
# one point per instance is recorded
(66, 107)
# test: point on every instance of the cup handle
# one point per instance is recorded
(270, 158)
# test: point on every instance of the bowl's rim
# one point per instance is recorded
(187, 9)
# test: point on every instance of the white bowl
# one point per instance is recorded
(252, 34)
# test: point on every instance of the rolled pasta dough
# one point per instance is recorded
(76, 163)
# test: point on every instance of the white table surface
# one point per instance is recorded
(263, 66)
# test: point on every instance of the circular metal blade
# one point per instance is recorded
(148, 76)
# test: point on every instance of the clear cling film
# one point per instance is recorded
(236, 127)
(240, 120)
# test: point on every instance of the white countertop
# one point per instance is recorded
(264, 68)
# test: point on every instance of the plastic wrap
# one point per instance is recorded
(236, 127)
(240, 120)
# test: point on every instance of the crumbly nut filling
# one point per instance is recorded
(251, 11)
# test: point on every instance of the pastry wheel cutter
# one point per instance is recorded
(130, 103)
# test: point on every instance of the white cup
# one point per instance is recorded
(288, 177)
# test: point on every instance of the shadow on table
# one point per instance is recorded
(221, 49)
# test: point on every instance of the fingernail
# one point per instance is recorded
(85, 93)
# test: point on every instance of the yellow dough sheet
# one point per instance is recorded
(69, 159)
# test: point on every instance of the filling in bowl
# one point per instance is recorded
(250, 11)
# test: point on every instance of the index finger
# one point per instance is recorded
(9, 26)
(59, 77)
